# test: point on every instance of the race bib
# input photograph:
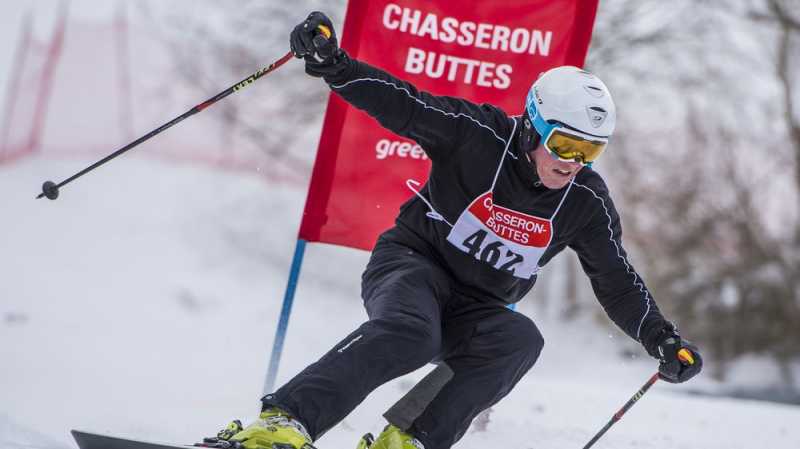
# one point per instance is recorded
(505, 239)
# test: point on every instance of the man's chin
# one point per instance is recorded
(556, 184)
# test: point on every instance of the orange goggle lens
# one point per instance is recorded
(574, 148)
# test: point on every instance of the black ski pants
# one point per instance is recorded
(416, 318)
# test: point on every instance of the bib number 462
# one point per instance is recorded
(491, 251)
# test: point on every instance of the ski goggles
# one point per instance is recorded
(565, 143)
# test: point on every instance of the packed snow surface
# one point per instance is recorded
(143, 303)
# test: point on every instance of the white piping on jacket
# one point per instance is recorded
(427, 106)
(636, 281)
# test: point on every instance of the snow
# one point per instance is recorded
(143, 303)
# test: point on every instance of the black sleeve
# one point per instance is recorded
(439, 124)
(618, 287)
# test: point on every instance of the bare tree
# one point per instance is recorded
(711, 189)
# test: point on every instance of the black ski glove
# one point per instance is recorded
(680, 359)
(310, 40)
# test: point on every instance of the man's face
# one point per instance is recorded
(553, 173)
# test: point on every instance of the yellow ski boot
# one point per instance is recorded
(391, 438)
(274, 429)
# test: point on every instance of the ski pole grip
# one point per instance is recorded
(685, 356)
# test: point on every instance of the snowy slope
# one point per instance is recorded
(143, 302)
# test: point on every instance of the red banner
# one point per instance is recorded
(487, 52)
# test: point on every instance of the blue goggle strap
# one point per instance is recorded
(541, 126)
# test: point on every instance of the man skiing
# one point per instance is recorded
(504, 195)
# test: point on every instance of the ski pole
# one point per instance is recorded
(617, 416)
(50, 189)
(683, 355)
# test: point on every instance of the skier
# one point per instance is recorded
(504, 195)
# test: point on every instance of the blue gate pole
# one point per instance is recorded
(283, 322)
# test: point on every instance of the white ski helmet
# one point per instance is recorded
(572, 97)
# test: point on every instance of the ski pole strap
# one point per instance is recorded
(617, 416)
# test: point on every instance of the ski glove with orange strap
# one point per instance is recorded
(315, 41)
(680, 360)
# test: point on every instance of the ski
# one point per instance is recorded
(88, 440)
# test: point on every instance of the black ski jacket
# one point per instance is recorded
(466, 142)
